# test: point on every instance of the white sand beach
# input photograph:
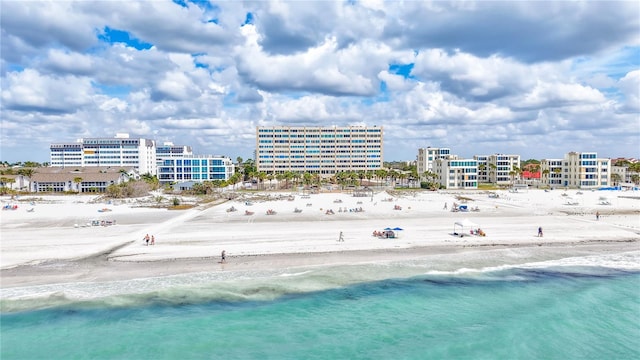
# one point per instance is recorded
(44, 233)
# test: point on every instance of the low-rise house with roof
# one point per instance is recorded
(92, 179)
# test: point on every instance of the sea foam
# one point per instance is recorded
(269, 285)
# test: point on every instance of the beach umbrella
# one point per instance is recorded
(397, 229)
(388, 229)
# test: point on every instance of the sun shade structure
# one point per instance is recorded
(462, 227)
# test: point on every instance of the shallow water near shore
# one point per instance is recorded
(580, 307)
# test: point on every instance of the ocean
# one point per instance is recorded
(574, 308)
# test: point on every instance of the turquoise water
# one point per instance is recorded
(542, 312)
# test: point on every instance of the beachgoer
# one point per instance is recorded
(445, 206)
(341, 238)
(146, 239)
(597, 215)
(223, 256)
(539, 231)
(153, 240)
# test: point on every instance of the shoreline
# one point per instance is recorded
(101, 269)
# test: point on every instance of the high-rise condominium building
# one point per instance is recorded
(120, 150)
(318, 150)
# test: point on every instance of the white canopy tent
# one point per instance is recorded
(462, 227)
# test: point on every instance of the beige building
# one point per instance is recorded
(497, 168)
(318, 150)
(577, 170)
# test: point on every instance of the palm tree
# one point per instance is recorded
(307, 178)
(615, 177)
(481, 171)
(361, 175)
(394, 175)
(234, 179)
(413, 174)
(288, 175)
(78, 181)
(280, 177)
(261, 177)
(26, 172)
(296, 178)
(492, 171)
(248, 168)
(545, 174)
(208, 187)
(403, 176)
(430, 177)
(368, 175)
(253, 175)
(352, 179)
(340, 177)
(3, 183)
(515, 171)
(270, 177)
(634, 168)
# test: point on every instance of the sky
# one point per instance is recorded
(534, 78)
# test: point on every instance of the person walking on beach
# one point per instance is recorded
(540, 231)
(153, 240)
(445, 206)
(146, 239)
(597, 215)
(223, 257)
(341, 238)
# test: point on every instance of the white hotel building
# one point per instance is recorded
(170, 163)
(318, 150)
(577, 170)
(120, 150)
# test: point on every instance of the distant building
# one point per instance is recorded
(88, 179)
(197, 168)
(531, 175)
(621, 173)
(168, 150)
(578, 170)
(497, 168)
(551, 170)
(14, 181)
(318, 150)
(457, 173)
(117, 151)
(624, 176)
(426, 157)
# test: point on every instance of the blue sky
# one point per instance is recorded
(538, 78)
